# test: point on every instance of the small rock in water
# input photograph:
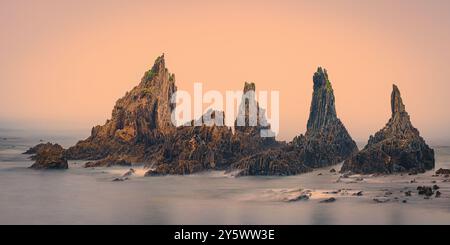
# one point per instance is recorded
(381, 200)
(320, 174)
(358, 194)
(129, 173)
(433, 182)
(388, 193)
(436, 187)
(119, 179)
(413, 181)
(345, 176)
(359, 179)
(333, 192)
(329, 200)
(333, 170)
(442, 171)
(425, 190)
(438, 194)
(404, 201)
(301, 196)
(408, 193)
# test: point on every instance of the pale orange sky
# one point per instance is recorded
(63, 64)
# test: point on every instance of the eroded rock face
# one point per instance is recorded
(325, 143)
(49, 156)
(142, 117)
(193, 149)
(398, 147)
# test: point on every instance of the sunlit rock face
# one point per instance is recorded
(398, 147)
(142, 117)
(48, 156)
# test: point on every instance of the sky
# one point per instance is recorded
(64, 63)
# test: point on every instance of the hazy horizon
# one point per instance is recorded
(65, 63)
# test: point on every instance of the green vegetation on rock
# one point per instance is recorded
(329, 87)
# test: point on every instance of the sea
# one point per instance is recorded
(80, 196)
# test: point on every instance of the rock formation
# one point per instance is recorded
(140, 130)
(194, 149)
(325, 143)
(142, 117)
(397, 147)
(49, 156)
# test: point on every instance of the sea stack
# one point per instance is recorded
(141, 118)
(398, 147)
(48, 156)
(327, 141)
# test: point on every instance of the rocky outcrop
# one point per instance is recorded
(49, 156)
(141, 130)
(282, 161)
(40, 147)
(398, 147)
(142, 117)
(325, 143)
(193, 149)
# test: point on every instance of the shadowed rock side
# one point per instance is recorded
(141, 118)
(48, 156)
(397, 147)
(194, 149)
(325, 143)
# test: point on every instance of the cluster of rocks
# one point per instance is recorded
(141, 130)
(429, 191)
(398, 147)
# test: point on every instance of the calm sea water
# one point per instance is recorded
(89, 196)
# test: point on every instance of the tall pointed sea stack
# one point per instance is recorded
(397, 147)
(326, 141)
(142, 117)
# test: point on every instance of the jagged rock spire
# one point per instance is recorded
(396, 101)
(323, 110)
(398, 147)
(142, 116)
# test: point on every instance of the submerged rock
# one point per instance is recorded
(49, 156)
(398, 147)
(381, 199)
(108, 162)
(329, 200)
